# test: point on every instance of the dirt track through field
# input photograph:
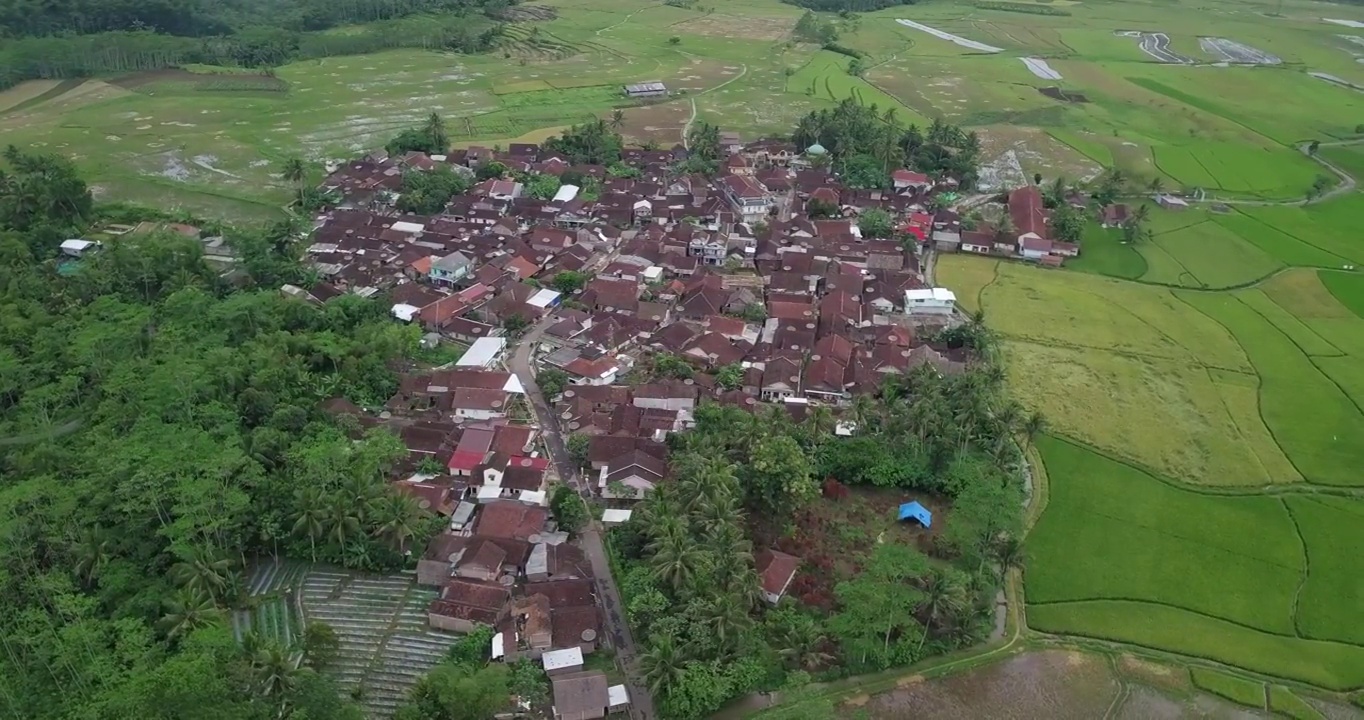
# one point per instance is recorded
(1157, 45)
(1040, 68)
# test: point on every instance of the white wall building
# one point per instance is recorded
(930, 301)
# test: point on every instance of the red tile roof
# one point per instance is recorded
(776, 569)
(1027, 212)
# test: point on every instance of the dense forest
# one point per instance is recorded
(79, 38)
(160, 424)
(686, 558)
(866, 144)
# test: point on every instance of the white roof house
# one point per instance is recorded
(76, 246)
(931, 301)
(543, 298)
(408, 227)
(565, 193)
(653, 273)
(562, 659)
(617, 696)
(484, 353)
(404, 312)
(615, 516)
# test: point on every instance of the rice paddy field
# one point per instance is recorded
(1205, 393)
(210, 140)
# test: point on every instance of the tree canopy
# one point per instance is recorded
(160, 425)
(867, 144)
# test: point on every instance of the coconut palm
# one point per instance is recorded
(202, 571)
(820, 422)
(1033, 425)
(272, 670)
(91, 551)
(662, 664)
(677, 560)
(801, 644)
(1008, 552)
(945, 598)
(727, 619)
(397, 518)
(342, 520)
(435, 130)
(312, 516)
(295, 171)
(186, 611)
(617, 119)
(1156, 185)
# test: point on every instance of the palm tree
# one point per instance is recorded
(187, 611)
(802, 645)
(1008, 552)
(662, 664)
(91, 551)
(945, 599)
(677, 560)
(397, 517)
(1156, 185)
(342, 520)
(312, 516)
(617, 119)
(727, 618)
(820, 422)
(435, 129)
(200, 571)
(273, 672)
(1033, 425)
(861, 413)
(1140, 214)
(295, 171)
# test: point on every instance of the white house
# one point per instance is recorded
(78, 248)
(484, 353)
(750, 199)
(930, 301)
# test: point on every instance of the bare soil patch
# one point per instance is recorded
(660, 123)
(733, 26)
(1056, 93)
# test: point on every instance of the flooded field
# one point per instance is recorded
(1059, 684)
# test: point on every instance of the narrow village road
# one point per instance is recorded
(641, 704)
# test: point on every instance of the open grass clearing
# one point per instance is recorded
(967, 277)
(1305, 293)
(1236, 558)
(1286, 248)
(1316, 424)
(1236, 689)
(1105, 253)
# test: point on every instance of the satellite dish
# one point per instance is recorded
(589, 635)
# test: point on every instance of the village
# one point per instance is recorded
(589, 330)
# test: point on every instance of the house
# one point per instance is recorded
(483, 353)
(479, 404)
(464, 605)
(1032, 247)
(450, 269)
(679, 396)
(747, 196)
(646, 90)
(909, 180)
(581, 696)
(775, 572)
(630, 476)
(472, 450)
(1170, 202)
(562, 662)
(79, 248)
(1028, 213)
(433, 568)
(1114, 215)
(930, 301)
(513, 520)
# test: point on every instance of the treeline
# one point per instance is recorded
(867, 144)
(206, 18)
(76, 56)
(848, 5)
(160, 424)
(1027, 8)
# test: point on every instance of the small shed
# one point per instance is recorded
(917, 512)
(646, 89)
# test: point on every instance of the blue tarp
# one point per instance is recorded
(918, 512)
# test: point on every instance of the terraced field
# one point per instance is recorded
(380, 621)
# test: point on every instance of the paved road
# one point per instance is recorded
(641, 704)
